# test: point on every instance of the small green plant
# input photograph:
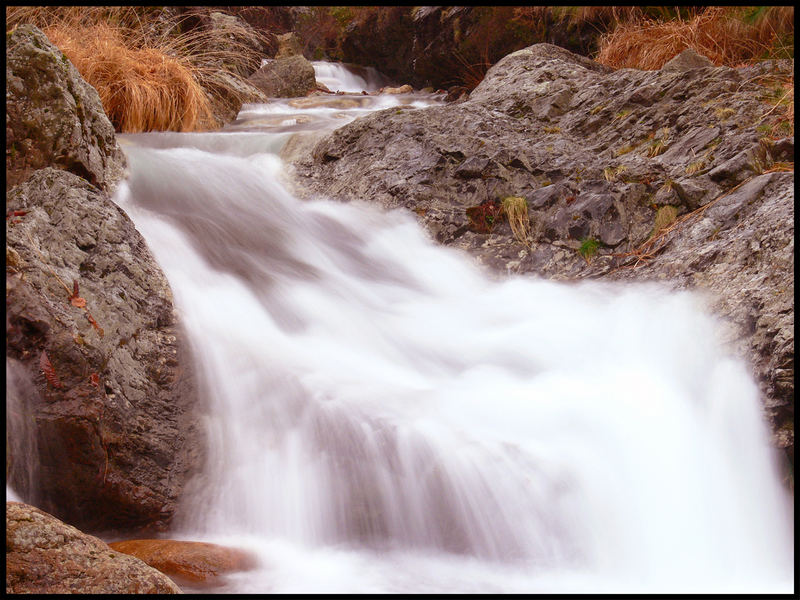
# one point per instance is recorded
(622, 114)
(764, 128)
(588, 248)
(516, 211)
(484, 216)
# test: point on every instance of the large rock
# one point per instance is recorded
(197, 562)
(114, 394)
(285, 77)
(596, 154)
(46, 556)
(53, 117)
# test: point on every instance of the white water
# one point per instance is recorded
(386, 418)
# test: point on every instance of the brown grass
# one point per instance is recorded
(723, 34)
(149, 76)
(142, 89)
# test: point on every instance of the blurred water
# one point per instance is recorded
(386, 418)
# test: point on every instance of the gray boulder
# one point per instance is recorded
(597, 154)
(47, 556)
(53, 117)
(287, 77)
(90, 322)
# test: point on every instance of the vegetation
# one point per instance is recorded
(588, 248)
(149, 74)
(729, 36)
(665, 216)
(516, 210)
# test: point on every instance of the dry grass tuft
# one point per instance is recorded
(142, 89)
(148, 75)
(726, 35)
(516, 210)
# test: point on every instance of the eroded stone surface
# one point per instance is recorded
(596, 153)
(116, 438)
(46, 556)
(53, 117)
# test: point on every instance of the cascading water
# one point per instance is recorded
(387, 418)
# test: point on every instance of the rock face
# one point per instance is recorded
(46, 556)
(285, 77)
(106, 435)
(597, 155)
(198, 562)
(53, 117)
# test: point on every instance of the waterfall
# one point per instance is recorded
(385, 417)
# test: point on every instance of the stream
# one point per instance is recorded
(386, 417)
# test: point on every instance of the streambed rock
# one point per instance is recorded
(105, 434)
(285, 77)
(597, 154)
(198, 562)
(47, 556)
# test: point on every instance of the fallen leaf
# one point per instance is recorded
(94, 379)
(77, 301)
(48, 370)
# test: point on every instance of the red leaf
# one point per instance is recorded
(74, 287)
(94, 379)
(79, 302)
(49, 371)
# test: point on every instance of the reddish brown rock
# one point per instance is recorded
(47, 556)
(194, 561)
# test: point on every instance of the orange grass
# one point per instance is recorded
(720, 33)
(142, 89)
(148, 77)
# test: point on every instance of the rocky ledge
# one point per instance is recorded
(648, 175)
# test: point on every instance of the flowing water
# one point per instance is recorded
(385, 417)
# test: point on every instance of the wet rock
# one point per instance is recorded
(193, 561)
(595, 153)
(47, 556)
(90, 320)
(403, 89)
(285, 77)
(53, 117)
